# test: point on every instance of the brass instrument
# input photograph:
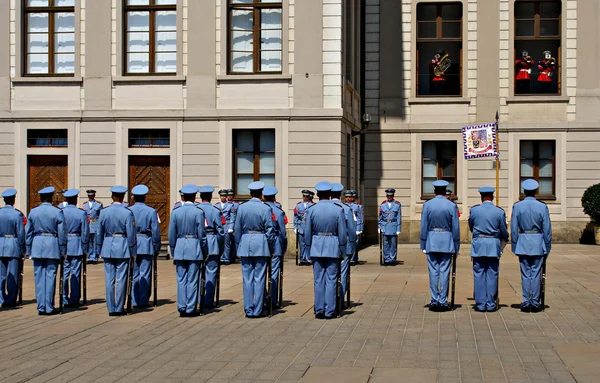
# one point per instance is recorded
(442, 65)
(528, 59)
(552, 61)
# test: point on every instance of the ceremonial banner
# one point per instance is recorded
(480, 141)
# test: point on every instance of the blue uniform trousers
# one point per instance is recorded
(254, 270)
(188, 273)
(44, 273)
(439, 274)
(325, 276)
(9, 280)
(142, 280)
(229, 244)
(390, 248)
(275, 269)
(72, 280)
(92, 254)
(485, 275)
(345, 265)
(304, 250)
(115, 274)
(212, 264)
(355, 255)
(531, 276)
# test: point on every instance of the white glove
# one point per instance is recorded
(424, 252)
(397, 232)
(230, 231)
(295, 231)
(379, 230)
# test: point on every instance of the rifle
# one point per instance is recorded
(454, 256)
(155, 281)
(338, 289)
(543, 285)
(280, 297)
(218, 285)
(269, 288)
(61, 305)
(201, 286)
(380, 249)
(21, 265)
(130, 284)
(84, 273)
(297, 245)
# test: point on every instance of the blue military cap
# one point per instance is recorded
(118, 189)
(530, 185)
(231, 191)
(390, 191)
(486, 190)
(71, 193)
(440, 184)
(348, 193)
(306, 193)
(311, 193)
(90, 192)
(256, 185)
(270, 191)
(337, 187)
(323, 186)
(206, 189)
(139, 190)
(9, 193)
(354, 193)
(46, 190)
(189, 189)
(223, 192)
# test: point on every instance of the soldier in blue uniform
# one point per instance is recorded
(226, 208)
(390, 225)
(299, 223)
(440, 239)
(46, 242)
(12, 248)
(148, 246)
(215, 236)
(326, 236)
(92, 208)
(234, 208)
(280, 247)
(116, 244)
(360, 221)
(488, 225)
(255, 240)
(350, 218)
(531, 241)
(188, 243)
(78, 236)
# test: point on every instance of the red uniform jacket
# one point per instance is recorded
(545, 71)
(523, 69)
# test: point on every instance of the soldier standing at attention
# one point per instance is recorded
(225, 208)
(531, 241)
(78, 236)
(390, 225)
(360, 221)
(187, 240)
(12, 248)
(350, 219)
(148, 246)
(234, 208)
(117, 243)
(92, 208)
(440, 239)
(279, 223)
(299, 222)
(215, 237)
(326, 236)
(46, 242)
(488, 225)
(255, 240)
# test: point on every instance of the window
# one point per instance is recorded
(255, 35)
(49, 36)
(150, 41)
(42, 138)
(254, 159)
(149, 138)
(537, 161)
(439, 163)
(439, 49)
(537, 47)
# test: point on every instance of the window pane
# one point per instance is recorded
(451, 11)
(426, 12)
(524, 10)
(64, 42)
(245, 163)
(550, 10)
(241, 62)
(448, 168)
(166, 62)
(241, 1)
(138, 2)
(267, 163)
(270, 1)
(38, 3)
(527, 168)
(267, 141)
(451, 30)
(245, 141)
(37, 22)
(242, 183)
(166, 41)
(451, 185)
(545, 168)
(549, 28)
(138, 62)
(64, 3)
(64, 22)
(138, 42)
(268, 179)
(270, 19)
(545, 186)
(428, 185)
(37, 63)
(524, 28)
(166, 21)
(546, 150)
(449, 151)
(429, 150)
(241, 41)
(166, 2)
(430, 168)
(427, 30)
(242, 20)
(527, 149)
(270, 39)
(270, 61)
(37, 43)
(138, 21)
(64, 63)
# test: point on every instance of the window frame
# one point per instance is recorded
(36, 134)
(152, 8)
(439, 170)
(536, 168)
(256, 7)
(150, 135)
(256, 163)
(51, 9)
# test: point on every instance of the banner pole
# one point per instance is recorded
(497, 160)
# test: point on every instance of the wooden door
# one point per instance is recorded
(46, 171)
(154, 172)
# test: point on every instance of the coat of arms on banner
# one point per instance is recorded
(480, 141)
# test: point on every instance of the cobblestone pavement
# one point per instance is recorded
(387, 336)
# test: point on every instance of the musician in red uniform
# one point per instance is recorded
(523, 67)
(547, 67)
(438, 85)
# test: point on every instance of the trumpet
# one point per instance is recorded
(552, 61)
(528, 59)
(442, 65)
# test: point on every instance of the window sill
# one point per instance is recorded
(47, 80)
(148, 79)
(254, 78)
(534, 99)
(426, 100)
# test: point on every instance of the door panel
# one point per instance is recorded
(46, 171)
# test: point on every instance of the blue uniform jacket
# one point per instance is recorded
(12, 232)
(225, 208)
(116, 237)
(326, 230)
(93, 213)
(530, 228)
(300, 215)
(253, 230)
(279, 228)
(359, 213)
(78, 230)
(147, 228)
(488, 225)
(440, 230)
(390, 217)
(350, 225)
(215, 234)
(187, 235)
(46, 237)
